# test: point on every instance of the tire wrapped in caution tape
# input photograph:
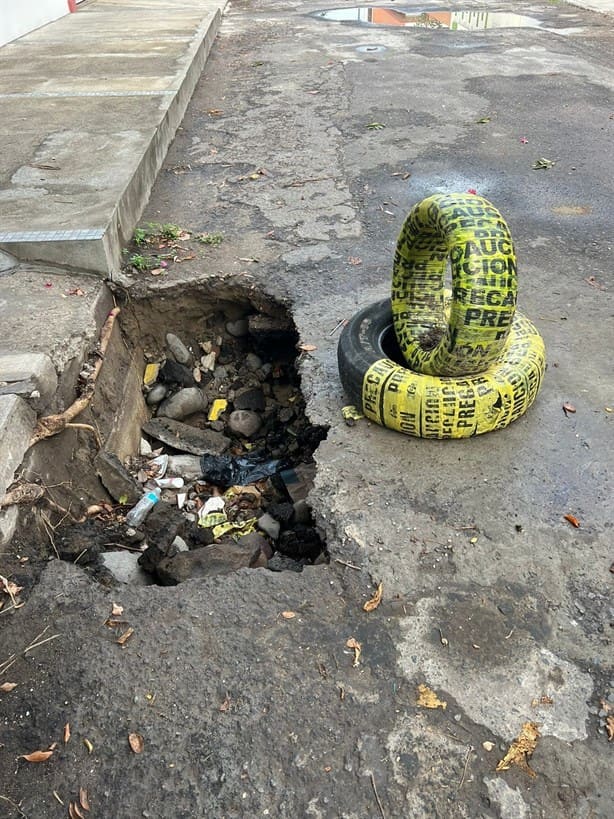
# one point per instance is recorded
(429, 406)
(470, 232)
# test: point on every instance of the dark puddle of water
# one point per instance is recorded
(475, 20)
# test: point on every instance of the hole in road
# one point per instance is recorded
(474, 20)
(202, 394)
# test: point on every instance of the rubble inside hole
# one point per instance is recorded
(228, 448)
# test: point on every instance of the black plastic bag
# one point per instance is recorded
(226, 470)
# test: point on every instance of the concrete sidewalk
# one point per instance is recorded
(89, 105)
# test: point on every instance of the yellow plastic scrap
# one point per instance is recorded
(151, 374)
(351, 413)
(217, 408)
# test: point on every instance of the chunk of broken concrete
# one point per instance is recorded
(125, 568)
(116, 479)
(186, 438)
(161, 527)
(216, 559)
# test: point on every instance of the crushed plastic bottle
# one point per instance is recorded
(138, 513)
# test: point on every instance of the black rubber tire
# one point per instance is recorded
(429, 406)
(360, 346)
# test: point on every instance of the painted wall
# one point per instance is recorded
(18, 17)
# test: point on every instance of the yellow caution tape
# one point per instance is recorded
(212, 519)
(470, 232)
(428, 406)
(238, 529)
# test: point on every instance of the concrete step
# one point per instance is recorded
(96, 98)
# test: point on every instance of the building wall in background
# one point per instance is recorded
(18, 17)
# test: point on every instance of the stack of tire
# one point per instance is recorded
(471, 363)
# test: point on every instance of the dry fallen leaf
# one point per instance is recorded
(37, 756)
(356, 646)
(573, 520)
(83, 798)
(88, 745)
(374, 602)
(117, 610)
(609, 726)
(225, 706)
(7, 686)
(74, 812)
(66, 732)
(136, 742)
(306, 348)
(427, 698)
(12, 589)
(125, 636)
(521, 749)
(288, 615)
(543, 700)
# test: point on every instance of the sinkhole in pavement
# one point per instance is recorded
(451, 19)
(200, 394)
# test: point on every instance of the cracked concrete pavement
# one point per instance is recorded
(491, 598)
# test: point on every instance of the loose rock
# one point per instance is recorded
(174, 373)
(253, 362)
(238, 328)
(185, 402)
(300, 542)
(178, 349)
(244, 423)
(156, 394)
(269, 526)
